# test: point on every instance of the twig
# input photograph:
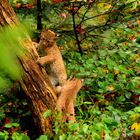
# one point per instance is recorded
(75, 32)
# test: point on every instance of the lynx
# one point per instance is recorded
(52, 58)
(66, 89)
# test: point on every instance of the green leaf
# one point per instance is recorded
(137, 109)
(9, 125)
(25, 137)
(48, 113)
(129, 86)
(74, 126)
(96, 136)
(102, 53)
(110, 122)
(128, 95)
(99, 126)
(43, 137)
(62, 137)
(2, 115)
(88, 103)
(122, 53)
(107, 137)
(16, 136)
(85, 128)
(102, 84)
(121, 99)
(4, 135)
(138, 60)
(19, 136)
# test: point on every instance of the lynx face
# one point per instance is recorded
(47, 39)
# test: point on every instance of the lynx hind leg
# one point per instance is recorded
(76, 84)
(60, 107)
(70, 112)
(66, 99)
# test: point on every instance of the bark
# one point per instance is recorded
(36, 84)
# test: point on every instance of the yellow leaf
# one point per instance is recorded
(106, 103)
(136, 56)
(107, 6)
(116, 72)
(85, 47)
(110, 88)
(103, 5)
(100, 5)
(137, 129)
(134, 117)
(105, 70)
(102, 18)
(134, 126)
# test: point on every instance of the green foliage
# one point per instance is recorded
(10, 71)
(9, 125)
(15, 136)
(10, 48)
(43, 137)
(18, 136)
(5, 135)
(108, 123)
(14, 113)
(48, 113)
(114, 66)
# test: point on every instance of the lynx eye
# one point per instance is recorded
(42, 39)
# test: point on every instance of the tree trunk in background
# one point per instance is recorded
(39, 15)
(35, 84)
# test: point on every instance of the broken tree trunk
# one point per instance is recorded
(35, 82)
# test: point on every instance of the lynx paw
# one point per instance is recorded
(40, 61)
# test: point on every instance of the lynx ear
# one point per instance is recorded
(44, 30)
(82, 80)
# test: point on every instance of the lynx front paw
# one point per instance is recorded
(40, 61)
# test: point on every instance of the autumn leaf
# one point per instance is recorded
(136, 127)
(57, 1)
(133, 126)
(18, 5)
(110, 88)
(80, 30)
(130, 25)
(116, 72)
(63, 15)
(106, 103)
(6, 120)
(132, 38)
(102, 18)
(137, 130)
(138, 21)
(104, 6)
